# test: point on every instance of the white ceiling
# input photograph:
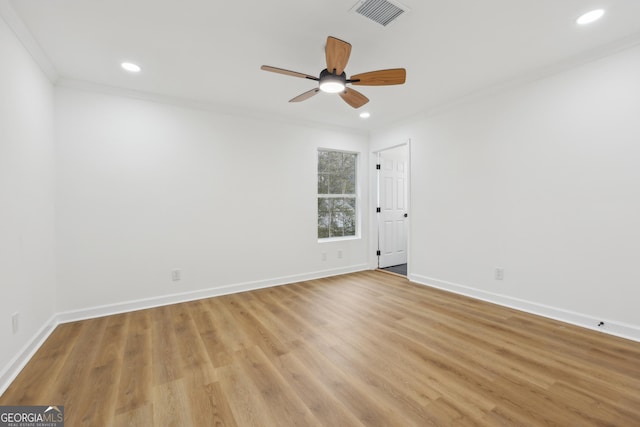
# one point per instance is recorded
(211, 51)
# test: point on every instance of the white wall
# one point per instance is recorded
(27, 279)
(543, 181)
(145, 188)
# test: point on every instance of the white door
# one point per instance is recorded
(392, 219)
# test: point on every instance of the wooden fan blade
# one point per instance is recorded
(337, 53)
(288, 72)
(308, 94)
(395, 76)
(354, 98)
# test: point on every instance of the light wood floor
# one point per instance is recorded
(366, 349)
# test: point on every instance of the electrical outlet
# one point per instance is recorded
(15, 322)
(499, 273)
(324, 256)
(176, 275)
(339, 253)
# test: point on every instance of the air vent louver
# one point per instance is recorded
(381, 11)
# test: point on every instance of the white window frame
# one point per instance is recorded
(356, 196)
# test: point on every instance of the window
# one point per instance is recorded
(337, 199)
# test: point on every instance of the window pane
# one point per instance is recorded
(337, 217)
(349, 224)
(335, 161)
(323, 218)
(323, 225)
(350, 183)
(351, 204)
(336, 227)
(350, 220)
(337, 205)
(349, 161)
(323, 183)
(336, 177)
(323, 205)
(323, 161)
(337, 185)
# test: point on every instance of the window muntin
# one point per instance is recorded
(337, 195)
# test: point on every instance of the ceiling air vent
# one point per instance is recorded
(381, 11)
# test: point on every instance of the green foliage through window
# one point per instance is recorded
(336, 194)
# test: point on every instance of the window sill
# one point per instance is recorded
(338, 239)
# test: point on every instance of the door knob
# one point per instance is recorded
(406, 215)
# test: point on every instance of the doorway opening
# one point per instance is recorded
(393, 209)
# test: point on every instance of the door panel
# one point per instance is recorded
(392, 233)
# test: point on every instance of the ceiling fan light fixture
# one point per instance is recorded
(332, 83)
(331, 87)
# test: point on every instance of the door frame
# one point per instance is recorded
(374, 200)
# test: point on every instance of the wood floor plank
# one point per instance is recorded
(363, 349)
(229, 336)
(103, 379)
(320, 400)
(99, 406)
(170, 404)
(247, 406)
(77, 369)
(253, 327)
(166, 366)
(136, 417)
(192, 353)
(209, 405)
(135, 383)
(273, 389)
(44, 367)
(365, 403)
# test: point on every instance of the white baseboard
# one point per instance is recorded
(11, 371)
(141, 304)
(611, 327)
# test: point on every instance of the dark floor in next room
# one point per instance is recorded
(398, 269)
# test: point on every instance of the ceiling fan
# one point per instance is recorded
(334, 80)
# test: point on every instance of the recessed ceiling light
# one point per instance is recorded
(365, 115)
(129, 66)
(590, 17)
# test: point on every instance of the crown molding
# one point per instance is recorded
(25, 37)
